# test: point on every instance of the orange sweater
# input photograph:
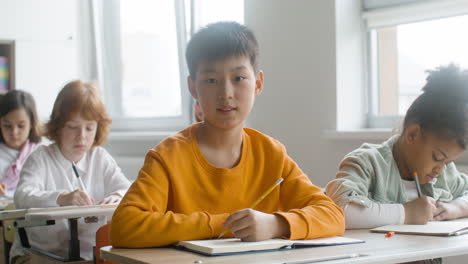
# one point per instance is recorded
(179, 195)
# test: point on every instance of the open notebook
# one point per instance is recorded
(228, 246)
(442, 228)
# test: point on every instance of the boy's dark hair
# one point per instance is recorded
(17, 99)
(443, 106)
(220, 40)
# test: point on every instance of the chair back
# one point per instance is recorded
(102, 240)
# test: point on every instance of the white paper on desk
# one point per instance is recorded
(433, 228)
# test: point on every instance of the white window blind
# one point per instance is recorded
(379, 13)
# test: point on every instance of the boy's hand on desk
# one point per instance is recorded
(419, 211)
(74, 198)
(450, 210)
(252, 225)
(111, 199)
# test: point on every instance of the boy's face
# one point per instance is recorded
(225, 90)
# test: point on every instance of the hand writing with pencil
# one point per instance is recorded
(419, 211)
(252, 225)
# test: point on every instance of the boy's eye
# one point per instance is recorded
(436, 159)
(210, 80)
(239, 78)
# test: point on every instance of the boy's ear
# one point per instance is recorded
(412, 133)
(191, 86)
(259, 83)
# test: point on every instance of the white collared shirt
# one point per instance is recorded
(7, 157)
(46, 174)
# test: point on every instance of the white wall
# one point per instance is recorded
(350, 76)
(46, 46)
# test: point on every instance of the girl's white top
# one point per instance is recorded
(7, 157)
(45, 175)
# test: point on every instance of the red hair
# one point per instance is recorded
(79, 97)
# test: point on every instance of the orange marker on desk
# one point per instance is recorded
(390, 234)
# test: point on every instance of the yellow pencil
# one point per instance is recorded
(265, 194)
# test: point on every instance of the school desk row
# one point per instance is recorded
(377, 247)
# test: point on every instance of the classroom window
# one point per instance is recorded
(151, 79)
(143, 63)
(210, 11)
(401, 50)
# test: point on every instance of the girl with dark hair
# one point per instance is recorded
(377, 184)
(19, 136)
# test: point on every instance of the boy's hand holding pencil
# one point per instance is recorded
(251, 225)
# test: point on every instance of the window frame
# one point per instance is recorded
(394, 15)
(106, 21)
(375, 120)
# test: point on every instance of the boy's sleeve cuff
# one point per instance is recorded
(216, 222)
(295, 222)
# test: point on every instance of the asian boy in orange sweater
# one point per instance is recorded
(201, 181)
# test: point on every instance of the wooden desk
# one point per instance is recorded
(378, 248)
